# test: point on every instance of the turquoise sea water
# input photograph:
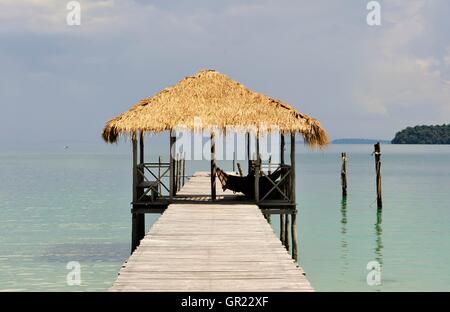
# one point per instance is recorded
(57, 207)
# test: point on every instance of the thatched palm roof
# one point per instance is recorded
(220, 102)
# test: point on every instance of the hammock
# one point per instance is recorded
(246, 185)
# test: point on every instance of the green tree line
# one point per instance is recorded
(439, 134)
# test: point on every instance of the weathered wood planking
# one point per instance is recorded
(210, 247)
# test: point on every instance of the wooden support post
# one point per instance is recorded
(180, 163)
(257, 169)
(344, 174)
(270, 165)
(135, 179)
(293, 216)
(141, 216)
(140, 169)
(286, 232)
(172, 167)
(177, 172)
(294, 236)
(141, 147)
(240, 170)
(282, 227)
(292, 168)
(248, 151)
(134, 231)
(184, 167)
(377, 153)
(213, 166)
(257, 146)
(159, 175)
(137, 220)
(282, 215)
(234, 161)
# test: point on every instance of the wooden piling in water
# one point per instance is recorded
(137, 219)
(134, 219)
(344, 174)
(282, 228)
(377, 154)
(294, 236)
(286, 232)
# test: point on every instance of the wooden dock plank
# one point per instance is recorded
(210, 247)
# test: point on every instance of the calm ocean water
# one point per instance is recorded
(74, 206)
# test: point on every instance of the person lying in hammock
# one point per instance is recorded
(246, 185)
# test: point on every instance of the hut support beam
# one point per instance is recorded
(257, 146)
(213, 166)
(294, 213)
(286, 232)
(294, 236)
(171, 166)
(293, 168)
(282, 215)
(141, 148)
(135, 172)
(257, 169)
(137, 219)
(248, 151)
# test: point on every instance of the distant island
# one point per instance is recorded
(423, 135)
(359, 141)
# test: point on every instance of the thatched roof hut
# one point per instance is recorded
(220, 102)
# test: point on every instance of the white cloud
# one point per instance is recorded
(447, 58)
(49, 16)
(397, 76)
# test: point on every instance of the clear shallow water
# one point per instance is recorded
(61, 207)
(412, 241)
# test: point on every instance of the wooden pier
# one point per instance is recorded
(206, 245)
(206, 239)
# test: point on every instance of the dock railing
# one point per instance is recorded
(272, 181)
(280, 187)
(154, 179)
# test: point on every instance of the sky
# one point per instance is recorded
(61, 83)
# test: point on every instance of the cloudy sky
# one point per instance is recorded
(62, 83)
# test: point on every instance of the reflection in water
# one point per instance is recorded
(378, 238)
(344, 243)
